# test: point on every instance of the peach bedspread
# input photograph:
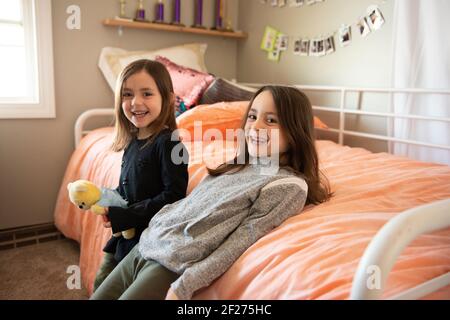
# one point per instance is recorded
(313, 255)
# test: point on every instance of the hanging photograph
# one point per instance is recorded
(304, 47)
(296, 3)
(269, 38)
(282, 42)
(363, 27)
(375, 18)
(274, 55)
(321, 48)
(329, 45)
(312, 48)
(345, 35)
(297, 46)
(315, 48)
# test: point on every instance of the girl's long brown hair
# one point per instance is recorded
(125, 131)
(297, 122)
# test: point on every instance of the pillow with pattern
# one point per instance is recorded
(188, 84)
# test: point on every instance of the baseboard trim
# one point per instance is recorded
(29, 235)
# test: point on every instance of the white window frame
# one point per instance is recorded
(38, 12)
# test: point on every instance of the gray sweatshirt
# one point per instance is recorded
(202, 235)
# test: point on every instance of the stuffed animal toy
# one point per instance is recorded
(87, 196)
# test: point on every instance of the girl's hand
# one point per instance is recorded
(171, 295)
(106, 222)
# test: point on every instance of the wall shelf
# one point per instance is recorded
(172, 28)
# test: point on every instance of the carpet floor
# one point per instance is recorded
(40, 272)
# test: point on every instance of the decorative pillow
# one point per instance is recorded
(222, 90)
(188, 84)
(113, 60)
(220, 116)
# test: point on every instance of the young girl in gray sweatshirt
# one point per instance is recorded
(192, 242)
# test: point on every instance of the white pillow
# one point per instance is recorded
(113, 60)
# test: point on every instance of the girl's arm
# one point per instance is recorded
(277, 201)
(175, 181)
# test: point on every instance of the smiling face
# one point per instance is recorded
(141, 102)
(263, 133)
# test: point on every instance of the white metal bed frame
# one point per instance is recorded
(397, 233)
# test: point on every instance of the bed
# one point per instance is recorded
(321, 253)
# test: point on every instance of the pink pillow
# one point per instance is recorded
(188, 84)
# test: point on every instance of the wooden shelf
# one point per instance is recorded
(172, 28)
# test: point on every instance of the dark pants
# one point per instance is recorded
(135, 278)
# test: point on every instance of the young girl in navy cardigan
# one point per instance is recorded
(149, 179)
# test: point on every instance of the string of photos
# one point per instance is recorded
(275, 42)
(292, 3)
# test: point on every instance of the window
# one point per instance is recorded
(26, 60)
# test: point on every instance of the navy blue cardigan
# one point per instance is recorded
(149, 180)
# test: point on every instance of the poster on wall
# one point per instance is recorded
(269, 38)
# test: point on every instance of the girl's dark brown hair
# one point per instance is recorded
(297, 122)
(125, 131)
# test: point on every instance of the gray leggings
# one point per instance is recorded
(135, 278)
(107, 266)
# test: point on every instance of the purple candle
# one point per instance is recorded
(177, 11)
(160, 11)
(140, 13)
(219, 13)
(199, 13)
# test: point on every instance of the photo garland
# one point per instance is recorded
(292, 3)
(275, 42)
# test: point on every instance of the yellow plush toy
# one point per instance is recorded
(86, 195)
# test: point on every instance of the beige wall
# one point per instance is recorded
(34, 153)
(366, 62)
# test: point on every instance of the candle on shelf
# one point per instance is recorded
(122, 15)
(140, 12)
(122, 9)
(198, 14)
(159, 11)
(219, 15)
(226, 16)
(177, 12)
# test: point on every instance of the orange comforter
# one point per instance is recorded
(313, 255)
